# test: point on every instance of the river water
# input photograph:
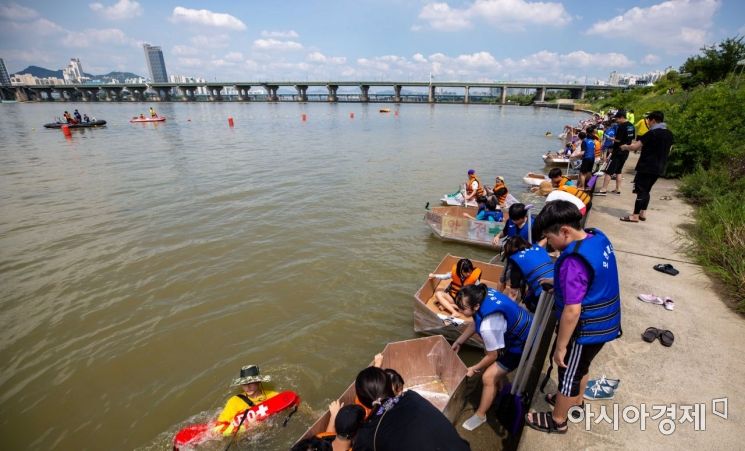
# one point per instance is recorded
(142, 265)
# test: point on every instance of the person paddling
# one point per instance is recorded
(153, 114)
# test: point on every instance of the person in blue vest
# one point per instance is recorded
(587, 147)
(587, 300)
(517, 224)
(490, 212)
(503, 326)
(526, 266)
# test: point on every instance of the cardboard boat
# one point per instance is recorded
(429, 320)
(449, 224)
(148, 119)
(535, 179)
(89, 124)
(428, 366)
(553, 159)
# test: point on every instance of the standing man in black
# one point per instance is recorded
(655, 146)
(625, 133)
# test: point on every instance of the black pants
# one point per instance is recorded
(642, 186)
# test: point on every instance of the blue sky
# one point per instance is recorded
(478, 40)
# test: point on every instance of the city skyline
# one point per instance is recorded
(479, 41)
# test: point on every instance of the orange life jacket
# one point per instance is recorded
(598, 149)
(578, 193)
(469, 189)
(500, 190)
(563, 181)
(456, 283)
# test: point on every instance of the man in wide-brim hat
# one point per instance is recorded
(253, 391)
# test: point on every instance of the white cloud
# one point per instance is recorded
(234, 57)
(501, 14)
(123, 9)
(650, 59)
(40, 27)
(184, 50)
(318, 57)
(215, 41)
(191, 62)
(14, 11)
(677, 26)
(207, 18)
(94, 37)
(419, 58)
(290, 34)
(274, 44)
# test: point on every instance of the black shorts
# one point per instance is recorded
(509, 361)
(617, 160)
(587, 165)
(577, 360)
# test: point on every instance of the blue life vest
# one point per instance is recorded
(608, 137)
(600, 320)
(518, 319)
(486, 215)
(512, 230)
(535, 264)
(589, 146)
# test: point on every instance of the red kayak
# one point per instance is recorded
(195, 434)
(148, 119)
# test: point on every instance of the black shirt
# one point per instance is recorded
(625, 133)
(655, 150)
(412, 424)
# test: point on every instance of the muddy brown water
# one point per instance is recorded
(142, 264)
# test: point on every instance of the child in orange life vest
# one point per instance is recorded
(253, 392)
(462, 274)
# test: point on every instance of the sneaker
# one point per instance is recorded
(598, 391)
(612, 383)
(473, 422)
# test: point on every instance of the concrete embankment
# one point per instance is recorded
(704, 364)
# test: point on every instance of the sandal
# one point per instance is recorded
(615, 192)
(544, 422)
(642, 218)
(669, 304)
(550, 398)
(651, 334)
(667, 268)
(627, 219)
(667, 338)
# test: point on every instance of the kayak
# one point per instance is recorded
(148, 119)
(90, 124)
(196, 434)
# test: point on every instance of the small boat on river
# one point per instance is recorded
(554, 159)
(90, 124)
(534, 178)
(148, 119)
(430, 320)
(449, 224)
(428, 366)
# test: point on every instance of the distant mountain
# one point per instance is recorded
(41, 72)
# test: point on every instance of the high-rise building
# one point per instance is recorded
(155, 63)
(73, 73)
(4, 77)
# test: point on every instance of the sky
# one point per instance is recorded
(478, 40)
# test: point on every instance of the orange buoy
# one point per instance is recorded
(66, 131)
(304, 117)
(230, 121)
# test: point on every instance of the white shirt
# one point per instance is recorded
(492, 331)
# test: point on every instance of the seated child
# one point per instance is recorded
(463, 273)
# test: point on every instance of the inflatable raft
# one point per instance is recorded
(193, 435)
(90, 124)
(148, 119)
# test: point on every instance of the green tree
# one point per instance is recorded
(714, 64)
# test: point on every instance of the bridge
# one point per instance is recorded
(269, 91)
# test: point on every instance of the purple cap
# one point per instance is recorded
(471, 172)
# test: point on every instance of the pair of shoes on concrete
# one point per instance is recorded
(666, 302)
(602, 388)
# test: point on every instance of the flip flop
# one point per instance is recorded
(642, 218)
(667, 268)
(615, 192)
(627, 219)
(651, 334)
(651, 299)
(667, 338)
(601, 193)
(669, 304)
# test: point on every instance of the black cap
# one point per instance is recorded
(620, 113)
